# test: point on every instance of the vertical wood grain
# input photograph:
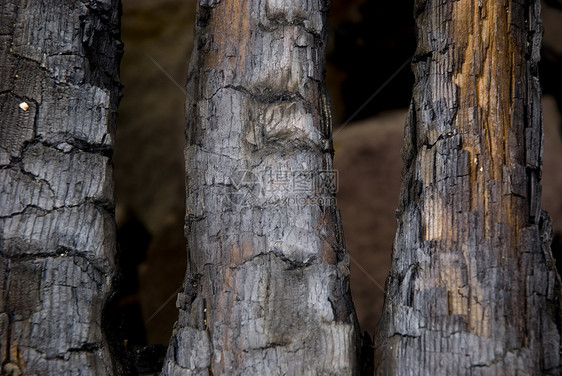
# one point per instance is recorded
(473, 289)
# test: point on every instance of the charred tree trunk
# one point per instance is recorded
(59, 90)
(473, 288)
(266, 291)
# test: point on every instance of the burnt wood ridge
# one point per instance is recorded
(473, 288)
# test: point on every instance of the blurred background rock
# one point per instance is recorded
(369, 42)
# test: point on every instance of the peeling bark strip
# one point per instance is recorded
(473, 289)
(267, 289)
(59, 89)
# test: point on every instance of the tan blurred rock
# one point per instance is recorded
(368, 160)
(552, 163)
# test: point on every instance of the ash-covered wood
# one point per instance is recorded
(267, 286)
(473, 289)
(59, 90)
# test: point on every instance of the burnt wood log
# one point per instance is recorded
(267, 286)
(59, 90)
(473, 288)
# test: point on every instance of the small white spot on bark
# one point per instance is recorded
(24, 106)
(65, 147)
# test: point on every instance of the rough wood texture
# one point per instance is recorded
(59, 89)
(473, 289)
(267, 290)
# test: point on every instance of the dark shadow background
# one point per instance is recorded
(369, 43)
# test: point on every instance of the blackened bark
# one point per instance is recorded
(267, 290)
(473, 289)
(59, 89)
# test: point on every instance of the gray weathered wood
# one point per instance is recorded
(473, 289)
(267, 290)
(59, 89)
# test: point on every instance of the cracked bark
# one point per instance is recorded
(473, 289)
(59, 89)
(267, 290)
